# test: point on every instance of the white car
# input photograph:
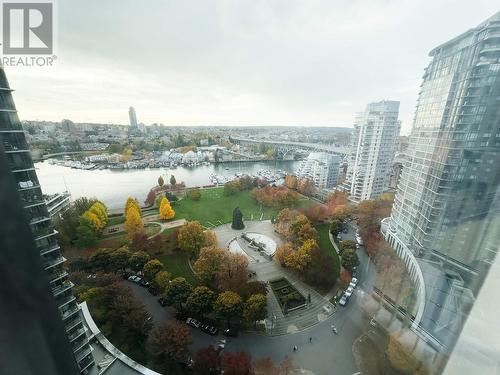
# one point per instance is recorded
(343, 301)
(353, 282)
(349, 291)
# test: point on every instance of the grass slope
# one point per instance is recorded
(327, 247)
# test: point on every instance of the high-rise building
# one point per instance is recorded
(18, 156)
(446, 205)
(132, 117)
(322, 168)
(450, 173)
(373, 146)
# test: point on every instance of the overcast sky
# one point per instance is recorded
(249, 62)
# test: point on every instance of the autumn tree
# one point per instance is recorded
(151, 268)
(350, 259)
(336, 227)
(231, 188)
(228, 305)
(161, 181)
(320, 271)
(283, 251)
(173, 181)
(201, 301)
(177, 292)
(162, 278)
(93, 219)
(346, 244)
(191, 237)
(300, 258)
(169, 344)
(210, 238)
(101, 259)
(137, 260)
(291, 181)
(131, 203)
(306, 186)
(206, 361)
(234, 274)
(166, 210)
(194, 194)
(210, 263)
(119, 259)
(236, 363)
(133, 222)
(255, 308)
(296, 226)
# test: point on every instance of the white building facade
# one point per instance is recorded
(373, 146)
(322, 168)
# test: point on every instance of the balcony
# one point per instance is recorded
(66, 285)
(74, 335)
(52, 262)
(69, 312)
(65, 301)
(48, 249)
(70, 324)
(83, 353)
(56, 275)
(86, 362)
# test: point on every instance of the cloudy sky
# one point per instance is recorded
(238, 62)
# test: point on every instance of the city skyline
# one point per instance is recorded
(191, 79)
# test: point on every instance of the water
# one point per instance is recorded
(113, 187)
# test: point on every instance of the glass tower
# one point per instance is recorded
(19, 158)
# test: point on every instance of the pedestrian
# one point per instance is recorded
(295, 348)
(310, 339)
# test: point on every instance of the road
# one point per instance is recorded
(327, 354)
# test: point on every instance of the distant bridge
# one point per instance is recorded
(286, 146)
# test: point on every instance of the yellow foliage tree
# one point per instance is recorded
(298, 260)
(133, 223)
(131, 202)
(166, 210)
(97, 225)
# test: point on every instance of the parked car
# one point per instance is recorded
(231, 332)
(135, 279)
(162, 301)
(349, 291)
(193, 323)
(343, 301)
(221, 345)
(354, 282)
(144, 283)
(345, 230)
(339, 237)
(207, 328)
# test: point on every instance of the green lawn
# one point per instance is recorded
(327, 247)
(214, 208)
(149, 228)
(177, 264)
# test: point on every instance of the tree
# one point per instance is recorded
(296, 226)
(101, 259)
(131, 202)
(166, 211)
(191, 238)
(172, 180)
(228, 305)
(137, 260)
(254, 287)
(298, 260)
(306, 186)
(119, 258)
(283, 251)
(291, 181)
(162, 279)
(230, 188)
(210, 263)
(151, 268)
(236, 363)
(320, 271)
(335, 227)
(350, 260)
(161, 181)
(307, 232)
(168, 345)
(93, 220)
(237, 219)
(255, 308)
(85, 234)
(177, 291)
(210, 238)
(346, 244)
(207, 361)
(133, 223)
(201, 300)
